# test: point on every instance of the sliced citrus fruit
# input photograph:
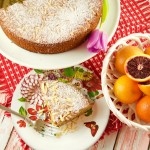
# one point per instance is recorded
(126, 90)
(143, 109)
(123, 54)
(138, 68)
(145, 87)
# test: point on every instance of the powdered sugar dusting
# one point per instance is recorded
(50, 21)
(63, 99)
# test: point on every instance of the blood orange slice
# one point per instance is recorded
(138, 68)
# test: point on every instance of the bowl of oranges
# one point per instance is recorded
(126, 80)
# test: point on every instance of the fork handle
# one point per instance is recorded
(11, 111)
(16, 113)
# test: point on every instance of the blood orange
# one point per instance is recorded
(145, 87)
(143, 109)
(138, 68)
(126, 90)
(123, 54)
(147, 51)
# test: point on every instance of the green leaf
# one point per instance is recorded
(91, 94)
(38, 71)
(69, 72)
(22, 99)
(89, 112)
(81, 70)
(96, 93)
(22, 111)
(62, 80)
(76, 68)
(105, 10)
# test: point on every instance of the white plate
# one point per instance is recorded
(80, 139)
(61, 60)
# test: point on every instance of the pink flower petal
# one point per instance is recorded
(104, 41)
(97, 41)
(98, 45)
(94, 37)
(93, 50)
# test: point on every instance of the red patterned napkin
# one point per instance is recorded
(135, 17)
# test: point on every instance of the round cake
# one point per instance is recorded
(50, 26)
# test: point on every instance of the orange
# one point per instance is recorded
(123, 54)
(145, 87)
(126, 90)
(137, 67)
(143, 109)
(147, 51)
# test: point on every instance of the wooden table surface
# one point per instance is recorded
(125, 139)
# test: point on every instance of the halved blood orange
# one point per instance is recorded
(145, 87)
(123, 54)
(138, 68)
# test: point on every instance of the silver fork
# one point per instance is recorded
(39, 125)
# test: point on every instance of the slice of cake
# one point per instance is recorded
(65, 102)
(50, 26)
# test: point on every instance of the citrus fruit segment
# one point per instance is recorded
(126, 90)
(123, 54)
(145, 87)
(147, 51)
(138, 68)
(143, 109)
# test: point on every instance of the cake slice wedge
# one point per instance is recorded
(65, 102)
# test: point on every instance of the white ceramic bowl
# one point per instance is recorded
(109, 76)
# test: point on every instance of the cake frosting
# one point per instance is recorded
(51, 21)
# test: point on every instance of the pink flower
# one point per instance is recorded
(97, 41)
